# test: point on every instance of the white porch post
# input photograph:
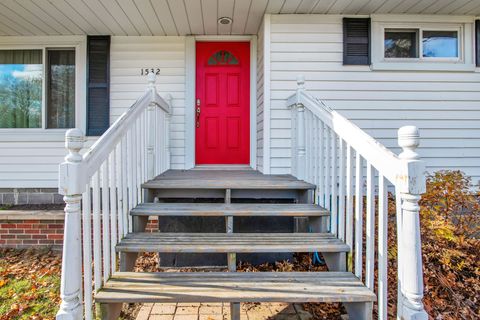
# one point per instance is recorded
(301, 148)
(71, 186)
(151, 129)
(411, 276)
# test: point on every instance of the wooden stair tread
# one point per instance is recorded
(133, 287)
(234, 242)
(234, 209)
(225, 179)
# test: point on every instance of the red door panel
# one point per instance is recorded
(223, 98)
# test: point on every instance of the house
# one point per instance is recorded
(308, 93)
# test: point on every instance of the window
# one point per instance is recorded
(440, 44)
(61, 89)
(400, 43)
(404, 43)
(23, 74)
(427, 43)
(222, 57)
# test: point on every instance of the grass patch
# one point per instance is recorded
(29, 284)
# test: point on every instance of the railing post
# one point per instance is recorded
(410, 262)
(72, 185)
(300, 134)
(151, 129)
(168, 116)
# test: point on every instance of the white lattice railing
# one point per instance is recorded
(100, 187)
(337, 156)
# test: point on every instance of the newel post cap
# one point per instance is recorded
(301, 82)
(409, 140)
(151, 80)
(74, 140)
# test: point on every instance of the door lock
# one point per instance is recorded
(197, 114)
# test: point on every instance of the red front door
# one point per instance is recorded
(222, 109)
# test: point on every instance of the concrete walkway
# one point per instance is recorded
(219, 311)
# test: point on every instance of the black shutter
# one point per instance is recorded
(356, 41)
(477, 42)
(98, 85)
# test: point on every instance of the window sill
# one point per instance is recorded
(422, 66)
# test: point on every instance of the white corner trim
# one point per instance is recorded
(189, 102)
(253, 102)
(266, 94)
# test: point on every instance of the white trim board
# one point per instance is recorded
(190, 71)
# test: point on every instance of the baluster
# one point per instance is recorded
(134, 164)
(308, 146)
(382, 248)
(143, 148)
(349, 213)
(294, 141)
(411, 252)
(334, 221)
(168, 119)
(87, 252)
(301, 142)
(322, 164)
(72, 187)
(130, 166)
(370, 229)
(314, 132)
(97, 237)
(113, 209)
(138, 150)
(328, 173)
(125, 199)
(105, 222)
(119, 187)
(358, 216)
(341, 191)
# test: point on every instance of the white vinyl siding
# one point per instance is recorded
(128, 55)
(444, 105)
(259, 96)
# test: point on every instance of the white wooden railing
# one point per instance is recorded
(100, 187)
(337, 156)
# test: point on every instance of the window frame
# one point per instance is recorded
(462, 25)
(44, 43)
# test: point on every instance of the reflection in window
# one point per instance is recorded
(401, 43)
(61, 89)
(21, 88)
(222, 57)
(440, 44)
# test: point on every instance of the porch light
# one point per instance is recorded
(225, 20)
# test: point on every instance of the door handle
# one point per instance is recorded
(197, 114)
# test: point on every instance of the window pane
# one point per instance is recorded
(440, 44)
(61, 89)
(21, 73)
(401, 44)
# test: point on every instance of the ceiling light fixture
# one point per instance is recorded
(225, 20)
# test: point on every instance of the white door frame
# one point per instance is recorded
(190, 78)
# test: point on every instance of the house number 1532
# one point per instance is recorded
(147, 71)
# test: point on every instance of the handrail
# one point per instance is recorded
(395, 169)
(96, 154)
(338, 157)
(100, 188)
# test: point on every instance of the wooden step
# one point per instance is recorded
(233, 242)
(234, 209)
(225, 179)
(132, 287)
